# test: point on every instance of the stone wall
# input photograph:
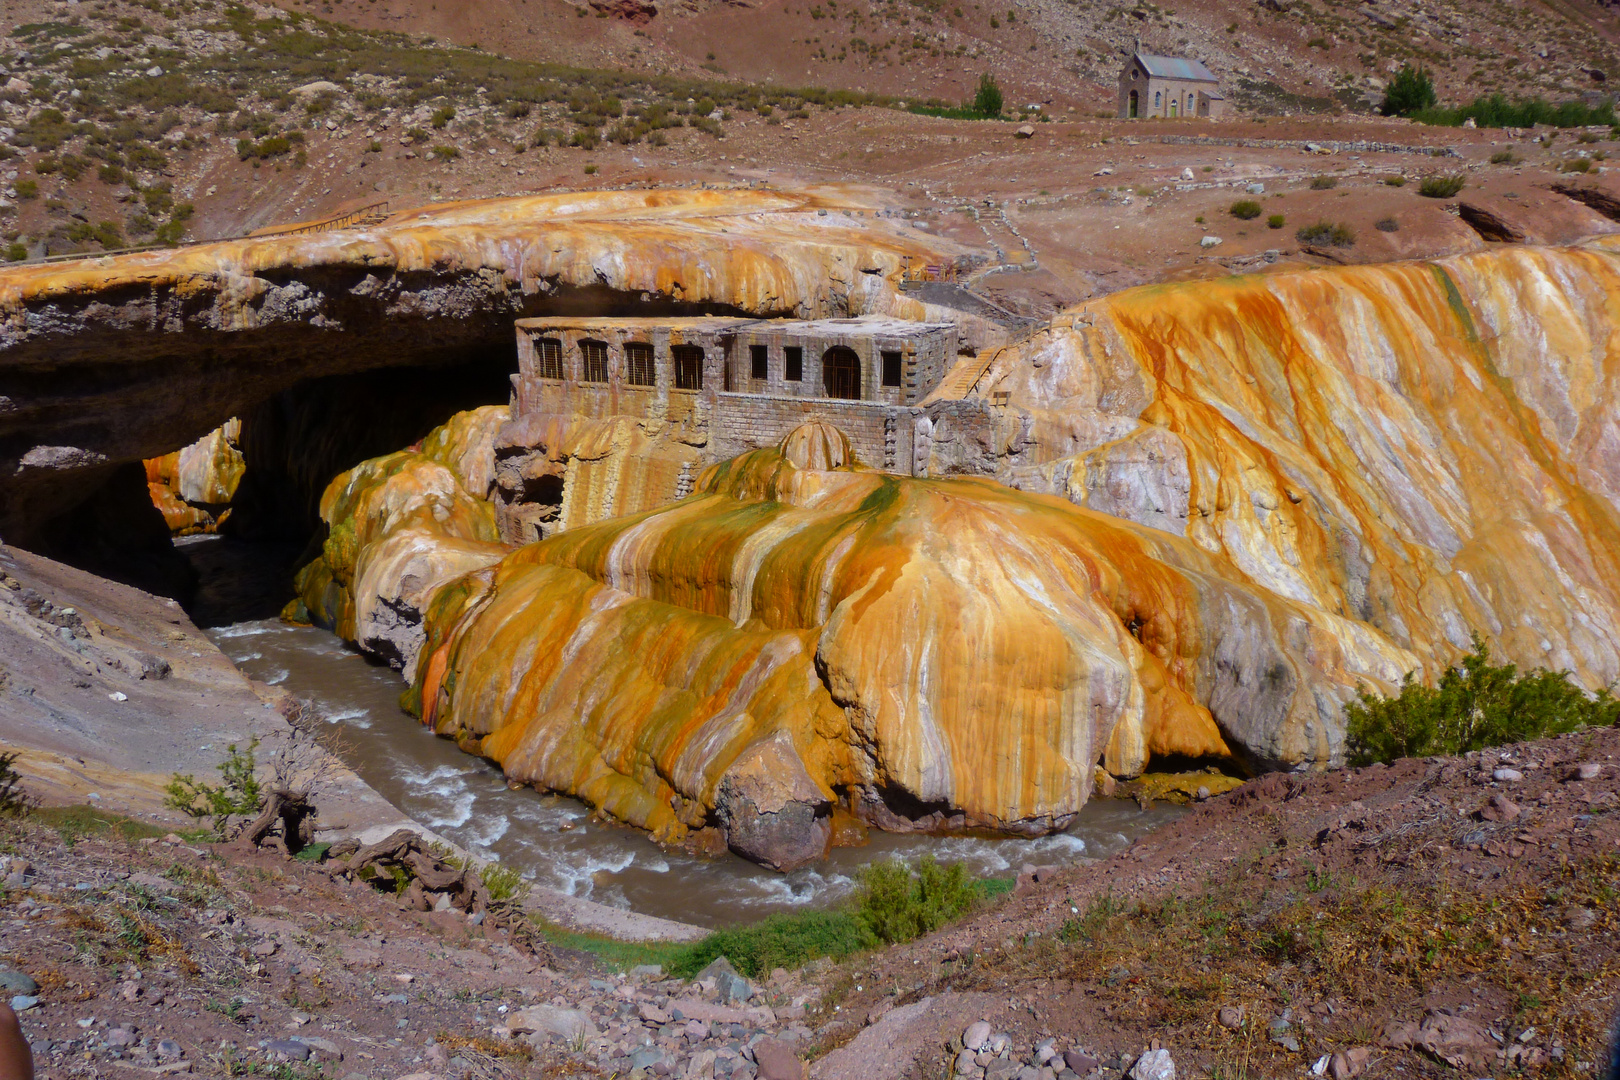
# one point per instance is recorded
(881, 434)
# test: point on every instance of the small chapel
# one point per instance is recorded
(1168, 87)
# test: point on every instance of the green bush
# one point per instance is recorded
(1410, 91)
(1576, 165)
(1504, 157)
(896, 904)
(238, 796)
(1324, 183)
(1476, 704)
(15, 800)
(1395, 181)
(444, 153)
(28, 189)
(1245, 210)
(1325, 233)
(16, 251)
(503, 882)
(442, 117)
(1276, 221)
(1440, 187)
(987, 100)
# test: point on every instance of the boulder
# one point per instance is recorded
(771, 810)
(545, 1022)
(1024, 131)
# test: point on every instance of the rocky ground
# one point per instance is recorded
(1428, 916)
(1433, 915)
(242, 127)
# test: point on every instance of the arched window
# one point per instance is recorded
(1189, 104)
(1157, 97)
(841, 373)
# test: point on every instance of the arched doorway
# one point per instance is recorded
(1133, 105)
(1172, 106)
(841, 373)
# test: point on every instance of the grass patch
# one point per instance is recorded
(895, 903)
(75, 822)
(1496, 111)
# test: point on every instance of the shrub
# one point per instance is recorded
(590, 170)
(1245, 210)
(517, 110)
(1409, 92)
(14, 798)
(1496, 111)
(238, 796)
(895, 904)
(987, 100)
(442, 117)
(588, 138)
(1395, 181)
(16, 251)
(1476, 704)
(1440, 187)
(444, 153)
(1276, 221)
(1324, 183)
(1504, 157)
(417, 136)
(1579, 165)
(27, 189)
(1325, 233)
(1388, 224)
(503, 882)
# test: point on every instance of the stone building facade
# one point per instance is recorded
(1168, 87)
(671, 396)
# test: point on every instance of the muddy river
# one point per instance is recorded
(553, 840)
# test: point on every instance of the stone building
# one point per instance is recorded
(1169, 87)
(688, 392)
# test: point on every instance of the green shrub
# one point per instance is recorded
(1476, 704)
(503, 882)
(15, 800)
(1504, 157)
(27, 189)
(590, 170)
(1576, 165)
(16, 251)
(1324, 183)
(1395, 181)
(987, 100)
(896, 904)
(1245, 210)
(1410, 91)
(1440, 187)
(444, 153)
(1388, 224)
(1276, 221)
(442, 117)
(1325, 233)
(238, 796)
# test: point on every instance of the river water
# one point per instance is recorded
(553, 840)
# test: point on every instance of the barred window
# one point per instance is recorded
(638, 356)
(758, 363)
(548, 358)
(793, 363)
(594, 355)
(688, 367)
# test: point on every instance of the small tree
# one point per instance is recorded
(987, 102)
(1410, 91)
(239, 795)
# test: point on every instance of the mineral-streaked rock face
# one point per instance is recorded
(1416, 451)
(402, 526)
(124, 358)
(187, 485)
(951, 653)
(1312, 481)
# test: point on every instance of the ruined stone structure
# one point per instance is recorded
(696, 391)
(1168, 86)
